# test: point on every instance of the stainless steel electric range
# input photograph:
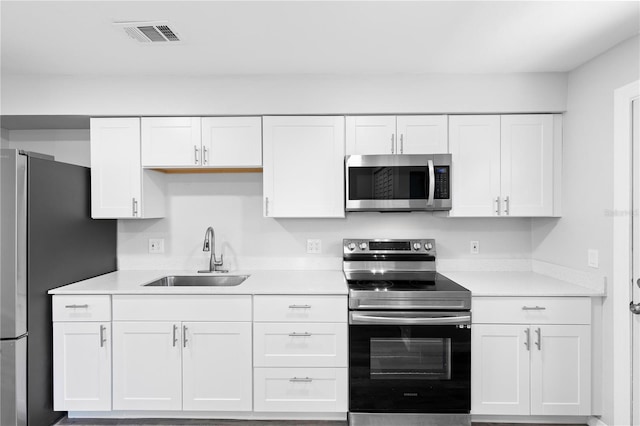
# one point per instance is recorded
(409, 336)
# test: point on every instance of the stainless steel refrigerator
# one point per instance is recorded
(47, 239)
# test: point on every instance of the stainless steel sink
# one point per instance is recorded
(198, 281)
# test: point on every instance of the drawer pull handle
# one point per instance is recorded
(301, 379)
(305, 334)
(85, 306)
(299, 306)
(533, 308)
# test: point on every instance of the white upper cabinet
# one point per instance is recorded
(232, 142)
(171, 142)
(507, 165)
(119, 187)
(303, 166)
(390, 134)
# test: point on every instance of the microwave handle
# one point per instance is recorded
(432, 183)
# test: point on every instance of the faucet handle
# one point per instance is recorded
(218, 262)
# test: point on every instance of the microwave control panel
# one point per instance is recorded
(442, 183)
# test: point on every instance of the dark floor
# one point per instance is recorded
(193, 422)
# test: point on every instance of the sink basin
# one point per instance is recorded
(198, 281)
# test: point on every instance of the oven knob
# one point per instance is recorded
(428, 246)
(417, 246)
(363, 246)
(351, 246)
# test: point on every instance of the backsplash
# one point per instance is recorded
(232, 204)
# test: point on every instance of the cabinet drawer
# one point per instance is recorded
(300, 308)
(300, 389)
(81, 308)
(531, 310)
(182, 307)
(300, 344)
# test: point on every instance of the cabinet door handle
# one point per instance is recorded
(401, 144)
(539, 340)
(299, 306)
(498, 205)
(85, 306)
(393, 145)
(305, 334)
(527, 343)
(196, 152)
(506, 205)
(184, 336)
(266, 206)
(205, 155)
(103, 339)
(175, 332)
(533, 308)
(134, 206)
(301, 379)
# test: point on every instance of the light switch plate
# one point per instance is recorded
(475, 247)
(592, 258)
(156, 245)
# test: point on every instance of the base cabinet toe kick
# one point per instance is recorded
(201, 356)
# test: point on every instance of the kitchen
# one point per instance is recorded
(233, 203)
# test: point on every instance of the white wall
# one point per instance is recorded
(67, 146)
(587, 183)
(298, 94)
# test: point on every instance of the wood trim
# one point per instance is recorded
(208, 170)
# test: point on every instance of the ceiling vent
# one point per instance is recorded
(150, 32)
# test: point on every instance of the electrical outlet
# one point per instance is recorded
(475, 247)
(314, 246)
(592, 258)
(156, 245)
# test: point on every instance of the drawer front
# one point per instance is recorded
(182, 308)
(300, 389)
(81, 308)
(300, 344)
(300, 308)
(531, 310)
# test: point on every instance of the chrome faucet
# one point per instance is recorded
(210, 245)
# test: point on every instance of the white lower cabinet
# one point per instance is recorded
(82, 353)
(194, 365)
(531, 363)
(82, 366)
(300, 353)
(300, 389)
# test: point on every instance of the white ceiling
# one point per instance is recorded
(322, 37)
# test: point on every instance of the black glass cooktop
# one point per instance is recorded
(393, 281)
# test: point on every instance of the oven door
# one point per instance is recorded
(409, 362)
(398, 182)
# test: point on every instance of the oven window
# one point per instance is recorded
(410, 358)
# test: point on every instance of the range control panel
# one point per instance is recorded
(427, 246)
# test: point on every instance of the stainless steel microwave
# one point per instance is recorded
(398, 182)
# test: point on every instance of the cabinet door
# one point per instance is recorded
(81, 366)
(232, 142)
(171, 142)
(499, 369)
(474, 142)
(561, 370)
(116, 184)
(527, 164)
(217, 366)
(371, 135)
(422, 134)
(147, 366)
(303, 166)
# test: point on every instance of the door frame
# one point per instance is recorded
(619, 290)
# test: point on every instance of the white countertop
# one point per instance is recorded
(259, 282)
(502, 283)
(518, 283)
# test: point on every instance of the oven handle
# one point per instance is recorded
(356, 318)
